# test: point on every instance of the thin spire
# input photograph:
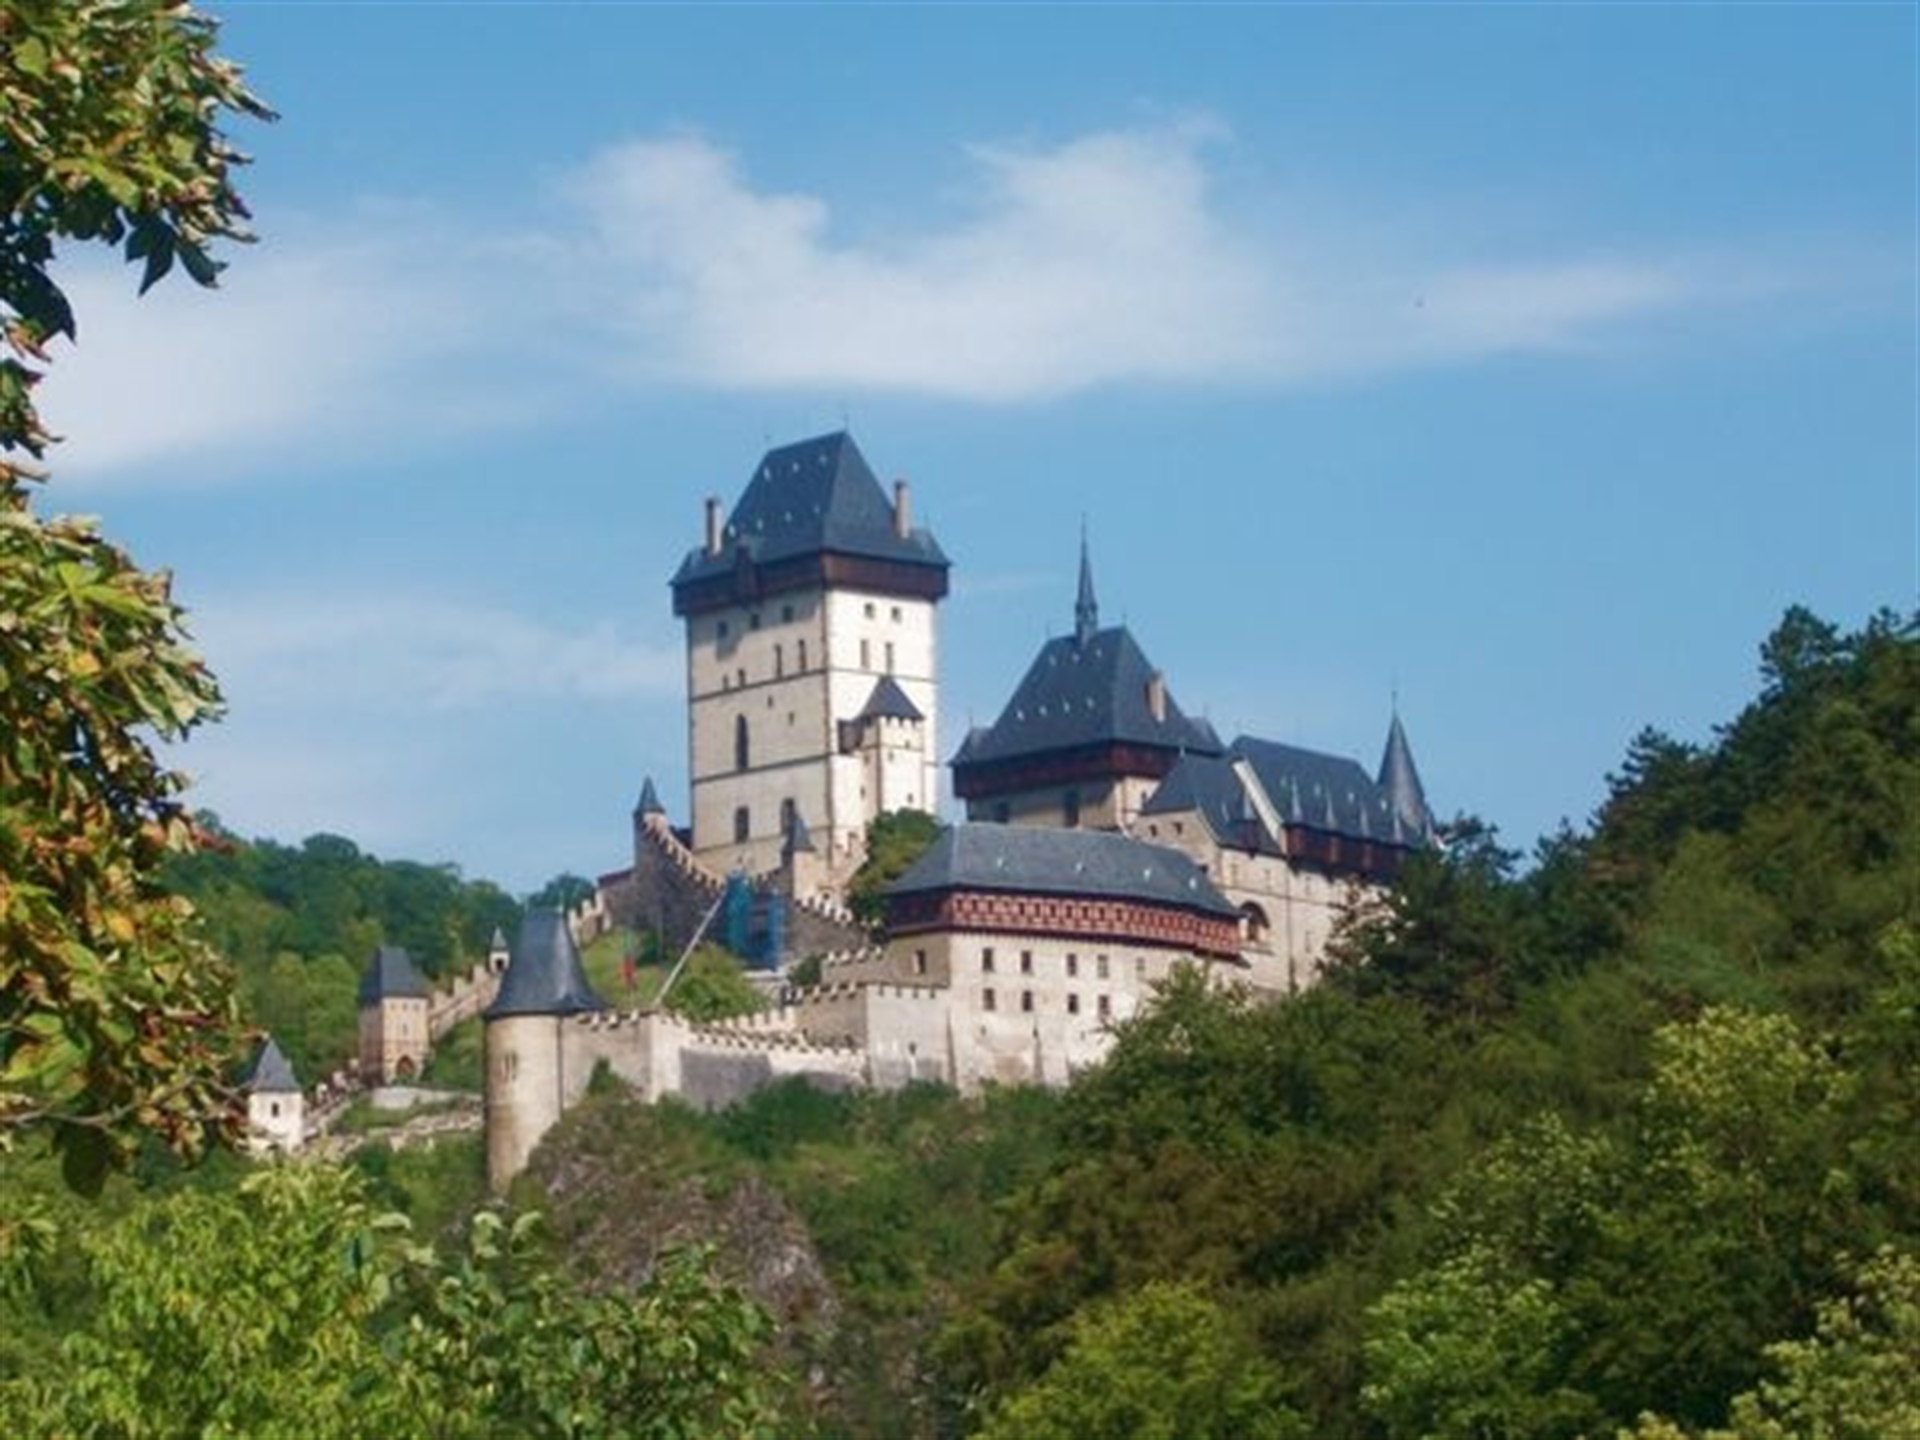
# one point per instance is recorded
(1401, 780)
(1086, 610)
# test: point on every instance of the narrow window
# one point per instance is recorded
(786, 614)
(740, 676)
(1073, 1004)
(742, 750)
(1026, 999)
(986, 999)
(896, 614)
(720, 630)
(986, 961)
(889, 657)
(753, 620)
(1073, 966)
(869, 609)
(919, 962)
(866, 656)
(1026, 962)
(274, 1106)
(1100, 966)
(801, 656)
(740, 826)
(789, 812)
(779, 660)
(1103, 1007)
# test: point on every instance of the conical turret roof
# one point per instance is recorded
(1401, 780)
(272, 1072)
(544, 975)
(649, 801)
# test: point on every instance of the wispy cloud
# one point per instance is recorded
(1111, 258)
(421, 654)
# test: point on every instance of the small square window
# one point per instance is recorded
(1026, 999)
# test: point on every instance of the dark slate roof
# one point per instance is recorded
(499, 940)
(889, 702)
(390, 975)
(272, 1072)
(649, 801)
(799, 839)
(1401, 781)
(544, 975)
(1085, 692)
(807, 498)
(1322, 792)
(1210, 785)
(1030, 860)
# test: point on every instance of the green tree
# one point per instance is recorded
(114, 1017)
(1165, 1363)
(895, 840)
(562, 892)
(713, 987)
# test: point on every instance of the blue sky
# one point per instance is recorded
(1528, 359)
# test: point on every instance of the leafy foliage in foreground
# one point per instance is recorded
(116, 1022)
(289, 1307)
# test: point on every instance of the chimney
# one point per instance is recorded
(902, 509)
(713, 525)
(1157, 697)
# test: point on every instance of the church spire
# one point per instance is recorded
(1086, 610)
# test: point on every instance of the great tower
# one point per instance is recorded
(812, 653)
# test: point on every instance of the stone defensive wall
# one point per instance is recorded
(670, 891)
(836, 1036)
(461, 998)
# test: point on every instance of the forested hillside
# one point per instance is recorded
(1627, 1132)
(1621, 1140)
(298, 923)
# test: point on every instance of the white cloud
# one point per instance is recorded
(1108, 259)
(413, 655)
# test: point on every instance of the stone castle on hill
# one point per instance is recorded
(1109, 835)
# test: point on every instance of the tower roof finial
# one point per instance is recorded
(1086, 610)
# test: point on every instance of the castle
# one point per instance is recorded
(1110, 837)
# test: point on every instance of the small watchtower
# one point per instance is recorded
(276, 1106)
(393, 1018)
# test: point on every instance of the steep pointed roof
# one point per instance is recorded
(649, 801)
(1400, 779)
(1086, 609)
(1210, 785)
(889, 702)
(272, 1072)
(498, 941)
(1086, 692)
(391, 975)
(812, 497)
(544, 974)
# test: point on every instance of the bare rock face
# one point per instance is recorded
(621, 1183)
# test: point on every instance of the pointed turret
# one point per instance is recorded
(649, 801)
(1401, 780)
(272, 1072)
(1086, 609)
(799, 840)
(545, 976)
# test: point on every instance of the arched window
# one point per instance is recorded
(1254, 927)
(742, 751)
(789, 812)
(740, 826)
